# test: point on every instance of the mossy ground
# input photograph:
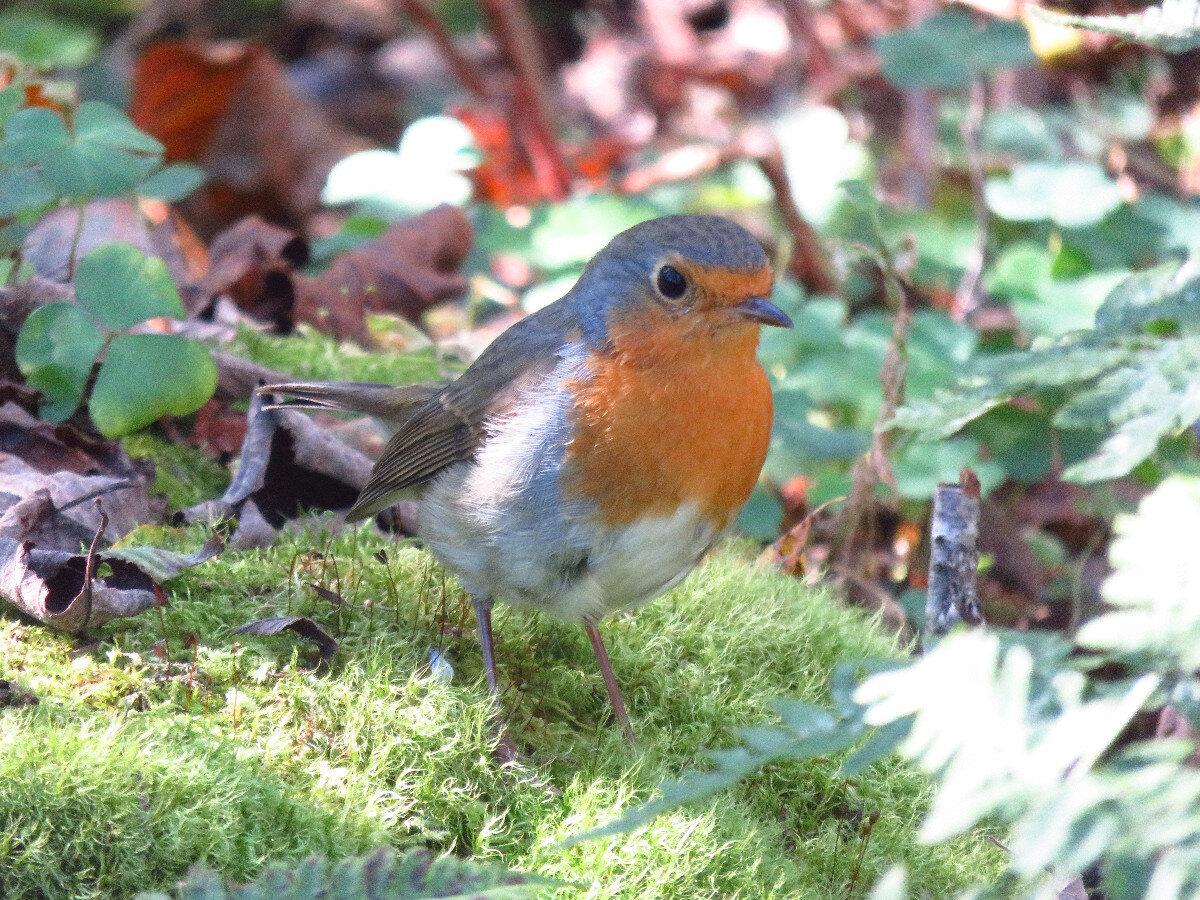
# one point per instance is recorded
(162, 743)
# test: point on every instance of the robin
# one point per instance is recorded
(600, 447)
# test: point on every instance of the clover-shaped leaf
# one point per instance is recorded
(148, 376)
(951, 48)
(33, 135)
(173, 182)
(21, 191)
(55, 351)
(121, 287)
(102, 154)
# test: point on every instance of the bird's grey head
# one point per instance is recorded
(629, 269)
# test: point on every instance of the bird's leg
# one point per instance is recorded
(507, 747)
(483, 617)
(614, 695)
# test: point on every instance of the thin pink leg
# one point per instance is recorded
(614, 695)
(507, 747)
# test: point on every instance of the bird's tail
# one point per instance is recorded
(390, 404)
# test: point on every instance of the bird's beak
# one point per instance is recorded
(760, 309)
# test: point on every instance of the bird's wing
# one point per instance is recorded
(450, 426)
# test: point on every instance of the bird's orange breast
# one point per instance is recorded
(672, 413)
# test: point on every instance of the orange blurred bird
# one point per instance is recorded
(598, 448)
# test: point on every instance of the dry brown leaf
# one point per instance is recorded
(407, 269)
(302, 625)
(149, 226)
(229, 107)
(252, 262)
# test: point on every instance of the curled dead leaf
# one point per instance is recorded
(302, 625)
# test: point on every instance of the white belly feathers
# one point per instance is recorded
(501, 523)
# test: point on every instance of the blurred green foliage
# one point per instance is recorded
(1024, 736)
(949, 49)
(46, 42)
(382, 875)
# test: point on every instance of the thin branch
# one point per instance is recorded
(875, 466)
(466, 72)
(810, 261)
(515, 34)
(802, 23)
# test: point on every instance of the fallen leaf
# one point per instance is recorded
(74, 521)
(410, 267)
(53, 448)
(229, 107)
(51, 586)
(287, 465)
(252, 262)
(302, 625)
(153, 229)
(326, 594)
(787, 553)
(162, 564)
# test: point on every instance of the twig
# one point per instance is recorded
(515, 34)
(802, 23)
(919, 128)
(968, 296)
(466, 72)
(810, 262)
(89, 566)
(953, 558)
(920, 142)
(17, 259)
(72, 258)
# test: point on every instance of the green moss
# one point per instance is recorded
(310, 356)
(253, 752)
(185, 475)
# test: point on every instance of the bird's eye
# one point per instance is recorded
(671, 283)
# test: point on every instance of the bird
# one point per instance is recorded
(598, 448)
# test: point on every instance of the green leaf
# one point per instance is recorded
(147, 376)
(1155, 395)
(55, 351)
(920, 466)
(22, 191)
(42, 42)
(947, 411)
(12, 98)
(172, 183)
(1170, 293)
(1019, 132)
(162, 564)
(951, 48)
(882, 743)
(102, 125)
(761, 516)
(33, 135)
(121, 287)
(105, 156)
(808, 731)
(1173, 25)
(1072, 194)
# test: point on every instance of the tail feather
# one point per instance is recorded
(386, 402)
